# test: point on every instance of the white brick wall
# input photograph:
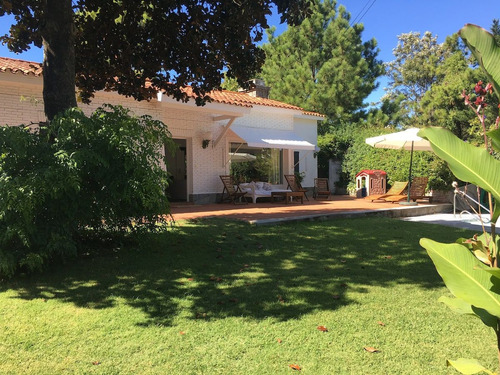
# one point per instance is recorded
(189, 123)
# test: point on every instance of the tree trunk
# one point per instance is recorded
(59, 57)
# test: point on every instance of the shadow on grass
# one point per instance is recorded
(213, 269)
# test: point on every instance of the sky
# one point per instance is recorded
(384, 20)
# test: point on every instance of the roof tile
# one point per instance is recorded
(225, 97)
(20, 66)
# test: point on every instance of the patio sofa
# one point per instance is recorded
(260, 189)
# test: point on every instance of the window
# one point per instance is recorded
(256, 164)
(296, 159)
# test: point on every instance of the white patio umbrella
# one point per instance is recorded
(407, 140)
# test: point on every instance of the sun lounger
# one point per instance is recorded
(417, 191)
(397, 188)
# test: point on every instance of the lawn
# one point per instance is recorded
(221, 297)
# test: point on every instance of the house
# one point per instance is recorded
(231, 133)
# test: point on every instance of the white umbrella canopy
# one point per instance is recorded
(401, 140)
(406, 140)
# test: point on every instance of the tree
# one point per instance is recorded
(137, 48)
(442, 104)
(322, 64)
(495, 30)
(414, 69)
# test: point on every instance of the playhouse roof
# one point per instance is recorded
(371, 172)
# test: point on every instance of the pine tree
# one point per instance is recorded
(322, 64)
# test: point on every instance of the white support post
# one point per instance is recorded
(225, 128)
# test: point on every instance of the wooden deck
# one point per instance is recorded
(269, 212)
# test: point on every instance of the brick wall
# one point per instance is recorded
(21, 102)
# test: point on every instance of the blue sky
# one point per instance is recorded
(384, 21)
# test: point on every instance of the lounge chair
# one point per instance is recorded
(397, 188)
(321, 188)
(230, 193)
(417, 191)
(294, 185)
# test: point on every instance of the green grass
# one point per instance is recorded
(214, 297)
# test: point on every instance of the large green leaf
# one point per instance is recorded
(483, 46)
(468, 366)
(462, 274)
(495, 139)
(468, 163)
(461, 307)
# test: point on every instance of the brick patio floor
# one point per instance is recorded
(267, 211)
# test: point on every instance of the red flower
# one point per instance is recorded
(478, 89)
(489, 88)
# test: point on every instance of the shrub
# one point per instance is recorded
(395, 162)
(99, 173)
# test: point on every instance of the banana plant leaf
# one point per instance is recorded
(462, 273)
(468, 163)
(461, 307)
(495, 139)
(483, 46)
(468, 366)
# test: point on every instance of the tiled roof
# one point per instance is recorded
(20, 66)
(224, 97)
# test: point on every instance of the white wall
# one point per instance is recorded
(185, 121)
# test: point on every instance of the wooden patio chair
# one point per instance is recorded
(321, 188)
(417, 191)
(398, 188)
(230, 193)
(294, 185)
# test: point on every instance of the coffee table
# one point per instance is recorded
(288, 195)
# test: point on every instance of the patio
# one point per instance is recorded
(270, 213)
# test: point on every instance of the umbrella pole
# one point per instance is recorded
(409, 173)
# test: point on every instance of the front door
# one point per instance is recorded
(177, 167)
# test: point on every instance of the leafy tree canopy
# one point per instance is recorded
(137, 47)
(414, 69)
(322, 64)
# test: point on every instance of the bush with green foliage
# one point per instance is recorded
(99, 173)
(395, 162)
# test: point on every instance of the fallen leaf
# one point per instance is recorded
(95, 363)
(381, 323)
(388, 257)
(322, 329)
(343, 261)
(281, 299)
(182, 333)
(371, 349)
(190, 279)
(295, 367)
(336, 296)
(279, 341)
